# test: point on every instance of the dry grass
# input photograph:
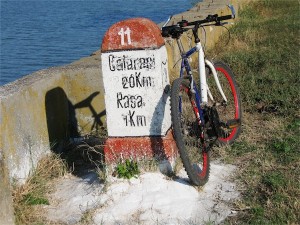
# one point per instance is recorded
(268, 175)
(263, 53)
(29, 198)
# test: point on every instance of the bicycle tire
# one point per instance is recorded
(232, 110)
(186, 130)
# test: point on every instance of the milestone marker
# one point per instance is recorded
(136, 83)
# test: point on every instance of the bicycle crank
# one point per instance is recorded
(231, 123)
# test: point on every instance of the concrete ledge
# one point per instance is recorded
(42, 110)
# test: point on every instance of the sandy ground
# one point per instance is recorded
(152, 198)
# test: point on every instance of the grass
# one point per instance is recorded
(264, 53)
(29, 197)
(127, 169)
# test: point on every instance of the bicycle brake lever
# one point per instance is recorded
(231, 7)
(168, 20)
(183, 23)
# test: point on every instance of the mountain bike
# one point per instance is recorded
(210, 115)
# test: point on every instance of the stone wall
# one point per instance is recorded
(39, 112)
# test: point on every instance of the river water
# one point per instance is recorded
(37, 34)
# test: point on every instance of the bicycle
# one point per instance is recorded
(213, 115)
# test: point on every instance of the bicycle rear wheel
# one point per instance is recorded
(187, 132)
(230, 114)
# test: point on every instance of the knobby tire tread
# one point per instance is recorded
(224, 69)
(195, 178)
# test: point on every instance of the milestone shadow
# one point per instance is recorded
(157, 143)
(61, 118)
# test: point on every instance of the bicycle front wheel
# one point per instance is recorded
(187, 131)
(230, 114)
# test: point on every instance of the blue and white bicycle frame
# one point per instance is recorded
(202, 96)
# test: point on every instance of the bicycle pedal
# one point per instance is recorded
(233, 123)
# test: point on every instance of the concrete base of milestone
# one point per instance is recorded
(140, 147)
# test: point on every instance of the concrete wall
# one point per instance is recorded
(38, 113)
(41, 111)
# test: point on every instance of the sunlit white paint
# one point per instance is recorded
(148, 111)
(214, 72)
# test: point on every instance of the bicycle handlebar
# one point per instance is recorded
(176, 30)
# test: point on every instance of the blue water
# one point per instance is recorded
(38, 34)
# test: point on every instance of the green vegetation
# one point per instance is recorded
(264, 53)
(28, 198)
(127, 169)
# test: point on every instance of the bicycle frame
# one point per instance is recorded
(199, 121)
(202, 100)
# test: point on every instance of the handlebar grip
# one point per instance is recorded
(228, 17)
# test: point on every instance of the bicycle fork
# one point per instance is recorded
(203, 82)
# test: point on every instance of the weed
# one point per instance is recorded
(148, 164)
(28, 197)
(127, 169)
(86, 155)
(87, 217)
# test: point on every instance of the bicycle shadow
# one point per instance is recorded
(87, 103)
(62, 124)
